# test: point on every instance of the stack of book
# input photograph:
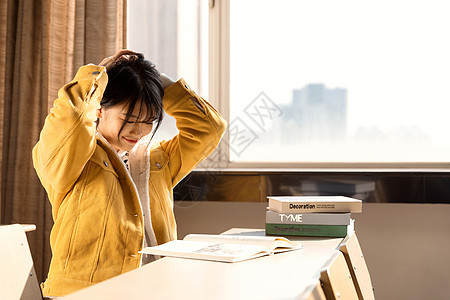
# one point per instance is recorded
(324, 216)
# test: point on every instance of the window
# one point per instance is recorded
(341, 82)
(174, 36)
(310, 83)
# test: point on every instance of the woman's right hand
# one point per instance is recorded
(108, 62)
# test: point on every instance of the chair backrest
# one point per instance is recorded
(17, 276)
(337, 280)
(360, 273)
(314, 291)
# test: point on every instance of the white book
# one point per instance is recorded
(273, 217)
(223, 247)
(313, 204)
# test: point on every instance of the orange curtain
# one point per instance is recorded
(42, 44)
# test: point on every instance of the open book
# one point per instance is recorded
(224, 247)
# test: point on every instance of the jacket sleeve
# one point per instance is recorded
(200, 129)
(67, 140)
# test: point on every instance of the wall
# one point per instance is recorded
(406, 246)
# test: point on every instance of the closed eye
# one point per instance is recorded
(132, 122)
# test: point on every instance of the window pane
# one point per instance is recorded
(339, 81)
(174, 36)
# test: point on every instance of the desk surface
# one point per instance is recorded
(280, 276)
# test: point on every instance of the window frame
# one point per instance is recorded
(219, 83)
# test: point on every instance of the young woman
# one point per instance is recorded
(111, 190)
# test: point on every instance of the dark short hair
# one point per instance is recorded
(134, 80)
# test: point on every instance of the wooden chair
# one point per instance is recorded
(357, 265)
(337, 280)
(313, 292)
(17, 276)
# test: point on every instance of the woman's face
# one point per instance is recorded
(112, 118)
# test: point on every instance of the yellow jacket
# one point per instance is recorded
(98, 219)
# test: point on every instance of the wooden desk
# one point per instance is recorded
(280, 276)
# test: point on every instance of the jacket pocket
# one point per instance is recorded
(159, 161)
(102, 160)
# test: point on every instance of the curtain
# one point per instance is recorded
(42, 44)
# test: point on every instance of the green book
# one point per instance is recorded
(310, 230)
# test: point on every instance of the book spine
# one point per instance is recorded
(304, 207)
(307, 230)
(274, 217)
